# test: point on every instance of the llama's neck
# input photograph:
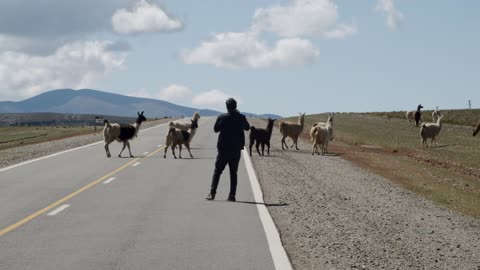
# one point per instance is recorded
(137, 127)
(301, 122)
(192, 132)
(270, 129)
(439, 123)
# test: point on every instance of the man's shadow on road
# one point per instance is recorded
(258, 203)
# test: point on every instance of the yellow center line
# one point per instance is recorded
(71, 195)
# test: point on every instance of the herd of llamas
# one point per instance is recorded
(321, 133)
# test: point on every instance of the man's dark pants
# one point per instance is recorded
(224, 158)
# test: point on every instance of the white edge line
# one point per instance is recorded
(279, 255)
(136, 164)
(109, 180)
(58, 210)
(63, 152)
(146, 153)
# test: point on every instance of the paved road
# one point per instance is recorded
(152, 215)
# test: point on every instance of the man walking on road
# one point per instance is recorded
(231, 141)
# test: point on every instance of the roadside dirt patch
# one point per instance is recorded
(336, 215)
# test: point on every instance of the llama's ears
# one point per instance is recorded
(142, 113)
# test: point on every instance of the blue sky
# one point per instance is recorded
(280, 57)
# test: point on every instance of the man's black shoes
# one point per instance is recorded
(231, 198)
(211, 196)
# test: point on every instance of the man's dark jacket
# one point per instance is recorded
(231, 126)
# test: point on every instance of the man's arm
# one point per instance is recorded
(217, 125)
(246, 125)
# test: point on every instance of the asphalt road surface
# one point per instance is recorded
(81, 210)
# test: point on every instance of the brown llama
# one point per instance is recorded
(178, 137)
(292, 130)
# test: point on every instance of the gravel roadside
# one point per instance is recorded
(23, 153)
(338, 216)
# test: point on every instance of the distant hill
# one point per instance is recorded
(87, 101)
(94, 102)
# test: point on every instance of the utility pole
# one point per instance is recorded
(469, 104)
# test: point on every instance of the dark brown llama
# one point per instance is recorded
(418, 115)
(261, 136)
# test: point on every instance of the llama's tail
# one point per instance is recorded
(170, 131)
(422, 130)
(253, 130)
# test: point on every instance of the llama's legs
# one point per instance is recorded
(256, 146)
(268, 148)
(130, 152)
(263, 149)
(293, 143)
(313, 148)
(250, 146)
(296, 143)
(173, 150)
(166, 148)
(187, 145)
(123, 148)
(180, 149)
(107, 150)
(283, 143)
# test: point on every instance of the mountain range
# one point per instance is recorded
(88, 101)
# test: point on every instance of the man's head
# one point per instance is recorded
(231, 104)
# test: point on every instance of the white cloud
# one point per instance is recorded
(298, 18)
(41, 27)
(175, 93)
(213, 99)
(240, 50)
(144, 18)
(292, 22)
(74, 65)
(341, 31)
(387, 7)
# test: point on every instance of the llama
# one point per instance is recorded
(320, 138)
(435, 114)
(121, 133)
(431, 131)
(415, 116)
(323, 124)
(292, 130)
(477, 129)
(321, 134)
(261, 136)
(178, 137)
(185, 126)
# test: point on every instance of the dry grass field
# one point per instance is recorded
(16, 136)
(388, 146)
